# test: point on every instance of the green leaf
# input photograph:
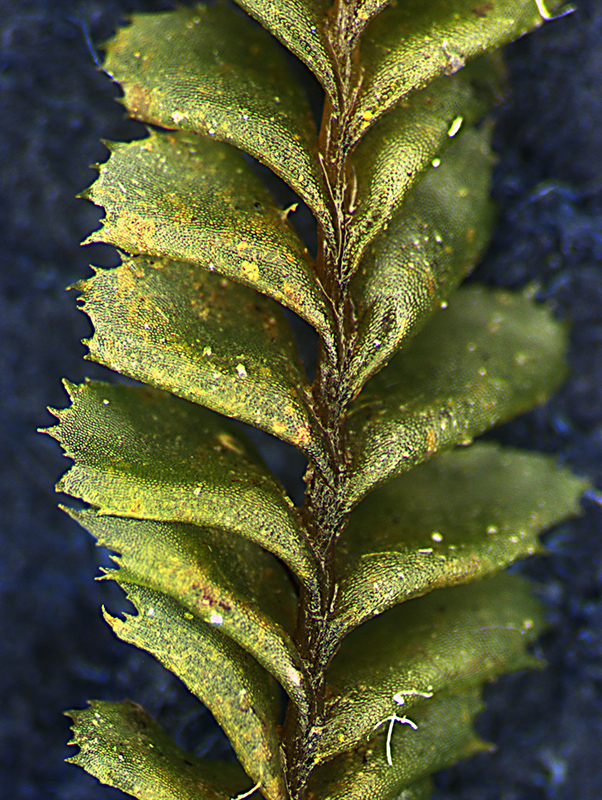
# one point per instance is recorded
(444, 735)
(299, 24)
(412, 42)
(122, 746)
(426, 251)
(177, 327)
(193, 199)
(455, 637)
(217, 578)
(487, 358)
(487, 508)
(207, 70)
(144, 454)
(238, 692)
(395, 153)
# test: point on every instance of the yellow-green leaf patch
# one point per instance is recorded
(177, 327)
(451, 637)
(145, 454)
(443, 736)
(225, 580)
(192, 199)
(122, 746)
(486, 358)
(427, 249)
(456, 518)
(395, 153)
(238, 692)
(209, 70)
(412, 42)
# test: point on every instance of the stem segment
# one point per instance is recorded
(325, 510)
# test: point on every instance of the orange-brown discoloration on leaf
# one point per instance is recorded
(302, 437)
(483, 9)
(431, 441)
(140, 101)
(139, 231)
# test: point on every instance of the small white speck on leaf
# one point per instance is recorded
(455, 127)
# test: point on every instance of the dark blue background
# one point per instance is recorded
(55, 652)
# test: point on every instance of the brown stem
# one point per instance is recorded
(324, 513)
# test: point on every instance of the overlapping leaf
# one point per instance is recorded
(412, 42)
(425, 252)
(207, 70)
(488, 357)
(444, 735)
(193, 199)
(238, 692)
(460, 636)
(299, 24)
(178, 327)
(122, 746)
(144, 454)
(395, 153)
(458, 517)
(223, 580)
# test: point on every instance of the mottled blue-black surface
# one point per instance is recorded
(55, 651)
